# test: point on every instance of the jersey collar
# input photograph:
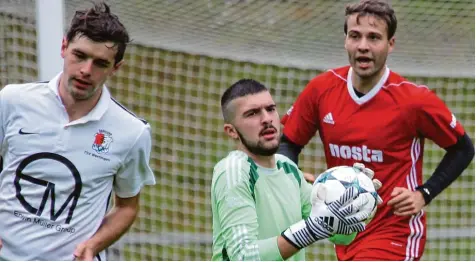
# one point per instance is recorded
(96, 113)
(371, 93)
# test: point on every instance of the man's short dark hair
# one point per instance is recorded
(378, 8)
(241, 88)
(100, 25)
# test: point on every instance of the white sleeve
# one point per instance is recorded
(2, 121)
(135, 171)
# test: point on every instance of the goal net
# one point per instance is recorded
(186, 53)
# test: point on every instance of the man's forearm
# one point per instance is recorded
(285, 248)
(289, 149)
(113, 226)
(454, 162)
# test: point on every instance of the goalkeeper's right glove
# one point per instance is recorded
(338, 217)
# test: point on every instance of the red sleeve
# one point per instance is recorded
(301, 120)
(434, 120)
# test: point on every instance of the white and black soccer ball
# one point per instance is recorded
(338, 179)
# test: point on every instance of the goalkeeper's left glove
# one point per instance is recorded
(338, 217)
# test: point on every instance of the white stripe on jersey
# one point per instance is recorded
(234, 165)
(332, 71)
(416, 225)
(405, 82)
(247, 250)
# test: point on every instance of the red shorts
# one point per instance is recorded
(381, 249)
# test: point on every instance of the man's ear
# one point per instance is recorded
(230, 131)
(64, 45)
(117, 66)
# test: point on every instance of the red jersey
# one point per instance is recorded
(385, 130)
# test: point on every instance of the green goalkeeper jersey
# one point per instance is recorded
(252, 205)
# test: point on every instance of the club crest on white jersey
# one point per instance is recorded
(102, 141)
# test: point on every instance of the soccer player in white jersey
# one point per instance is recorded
(261, 203)
(66, 146)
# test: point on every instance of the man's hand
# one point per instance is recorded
(343, 216)
(84, 252)
(406, 202)
(1, 244)
(309, 177)
(370, 174)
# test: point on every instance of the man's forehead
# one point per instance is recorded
(257, 100)
(100, 50)
(355, 20)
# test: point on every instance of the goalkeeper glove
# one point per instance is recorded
(370, 173)
(339, 217)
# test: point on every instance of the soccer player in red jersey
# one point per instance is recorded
(367, 113)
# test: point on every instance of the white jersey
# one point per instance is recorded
(57, 176)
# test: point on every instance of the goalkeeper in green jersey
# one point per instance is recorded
(262, 205)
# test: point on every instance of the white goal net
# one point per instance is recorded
(185, 53)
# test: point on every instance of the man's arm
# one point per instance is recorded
(454, 162)
(301, 121)
(429, 116)
(239, 227)
(237, 214)
(292, 151)
(289, 149)
(113, 226)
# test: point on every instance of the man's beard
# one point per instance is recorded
(258, 149)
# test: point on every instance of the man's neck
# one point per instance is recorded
(76, 108)
(364, 85)
(264, 161)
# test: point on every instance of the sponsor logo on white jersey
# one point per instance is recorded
(453, 121)
(358, 153)
(328, 119)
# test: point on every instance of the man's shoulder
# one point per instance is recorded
(330, 78)
(233, 161)
(15, 89)
(235, 165)
(125, 116)
(404, 89)
(284, 159)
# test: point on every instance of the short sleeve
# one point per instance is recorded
(135, 172)
(301, 120)
(2, 120)
(434, 120)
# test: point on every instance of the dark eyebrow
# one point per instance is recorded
(258, 108)
(104, 61)
(251, 110)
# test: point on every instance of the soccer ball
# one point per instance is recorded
(337, 180)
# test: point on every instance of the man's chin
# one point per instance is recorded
(269, 150)
(79, 94)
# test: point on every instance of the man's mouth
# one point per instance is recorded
(268, 133)
(81, 83)
(363, 61)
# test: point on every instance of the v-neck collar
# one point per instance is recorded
(365, 98)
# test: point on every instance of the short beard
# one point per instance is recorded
(258, 149)
(76, 97)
